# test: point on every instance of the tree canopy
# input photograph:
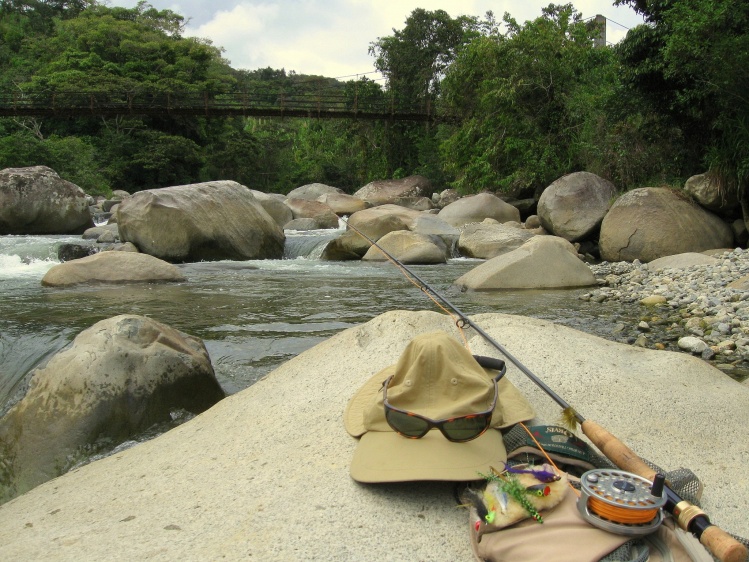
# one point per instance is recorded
(517, 104)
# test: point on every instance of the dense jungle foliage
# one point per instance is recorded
(520, 104)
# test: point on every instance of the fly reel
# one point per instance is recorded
(621, 502)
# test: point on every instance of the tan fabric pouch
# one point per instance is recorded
(565, 536)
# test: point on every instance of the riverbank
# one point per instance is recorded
(687, 305)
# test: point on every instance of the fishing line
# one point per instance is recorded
(690, 518)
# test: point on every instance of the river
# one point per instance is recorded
(251, 315)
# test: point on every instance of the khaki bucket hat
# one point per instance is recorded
(438, 378)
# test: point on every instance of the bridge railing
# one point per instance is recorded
(325, 104)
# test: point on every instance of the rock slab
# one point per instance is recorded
(237, 483)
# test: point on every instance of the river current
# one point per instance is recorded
(251, 315)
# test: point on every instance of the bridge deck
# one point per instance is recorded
(64, 104)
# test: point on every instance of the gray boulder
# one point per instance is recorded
(682, 261)
(274, 205)
(573, 206)
(96, 232)
(652, 222)
(708, 193)
(302, 224)
(313, 191)
(544, 262)
(310, 209)
(210, 221)
(489, 239)
(476, 208)
(352, 245)
(343, 204)
(118, 378)
(112, 267)
(409, 248)
(36, 200)
(432, 225)
(407, 216)
(382, 192)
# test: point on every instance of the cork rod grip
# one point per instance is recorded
(722, 545)
(616, 451)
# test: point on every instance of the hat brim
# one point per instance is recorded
(385, 456)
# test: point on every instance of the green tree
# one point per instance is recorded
(687, 63)
(518, 98)
(414, 61)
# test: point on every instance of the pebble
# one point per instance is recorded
(695, 309)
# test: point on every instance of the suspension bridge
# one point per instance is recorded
(110, 104)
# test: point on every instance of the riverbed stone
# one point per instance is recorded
(310, 209)
(238, 482)
(383, 192)
(708, 193)
(119, 377)
(112, 267)
(219, 220)
(649, 223)
(409, 248)
(692, 344)
(36, 200)
(274, 205)
(343, 204)
(573, 206)
(313, 191)
(363, 219)
(543, 262)
(476, 208)
(489, 239)
(680, 261)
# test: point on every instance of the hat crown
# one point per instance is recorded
(438, 378)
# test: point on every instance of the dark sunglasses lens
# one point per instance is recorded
(410, 426)
(465, 429)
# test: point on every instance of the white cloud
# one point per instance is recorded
(332, 37)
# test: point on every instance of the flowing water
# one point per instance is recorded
(251, 315)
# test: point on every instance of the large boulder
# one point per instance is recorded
(264, 474)
(311, 209)
(352, 245)
(489, 239)
(313, 191)
(573, 206)
(343, 204)
(432, 225)
(117, 379)
(274, 205)
(112, 267)
(409, 248)
(220, 220)
(652, 222)
(407, 216)
(476, 208)
(381, 192)
(543, 262)
(36, 200)
(709, 194)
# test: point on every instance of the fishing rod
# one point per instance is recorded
(688, 516)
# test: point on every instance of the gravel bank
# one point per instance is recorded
(688, 309)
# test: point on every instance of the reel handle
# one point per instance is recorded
(722, 545)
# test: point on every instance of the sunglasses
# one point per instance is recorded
(458, 430)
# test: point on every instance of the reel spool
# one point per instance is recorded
(621, 502)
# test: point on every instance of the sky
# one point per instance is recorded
(332, 37)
